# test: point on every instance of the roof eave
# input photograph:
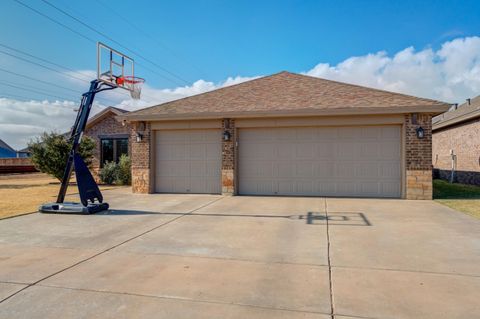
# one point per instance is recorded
(457, 120)
(432, 109)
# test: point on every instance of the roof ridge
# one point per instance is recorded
(217, 89)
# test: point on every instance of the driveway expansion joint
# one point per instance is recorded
(182, 299)
(332, 309)
(408, 271)
(107, 250)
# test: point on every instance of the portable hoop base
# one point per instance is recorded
(72, 208)
(90, 196)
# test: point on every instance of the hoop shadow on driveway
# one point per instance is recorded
(337, 219)
(311, 218)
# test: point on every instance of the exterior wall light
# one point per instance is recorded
(420, 133)
(139, 137)
(226, 136)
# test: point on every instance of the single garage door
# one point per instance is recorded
(188, 161)
(361, 161)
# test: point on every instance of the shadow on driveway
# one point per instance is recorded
(311, 218)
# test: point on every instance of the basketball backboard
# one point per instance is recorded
(117, 69)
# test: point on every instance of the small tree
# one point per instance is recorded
(50, 152)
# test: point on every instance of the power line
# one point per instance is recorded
(115, 41)
(156, 41)
(43, 60)
(85, 37)
(14, 96)
(122, 93)
(49, 68)
(53, 20)
(50, 83)
(34, 91)
(23, 85)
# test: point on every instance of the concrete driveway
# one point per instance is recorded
(195, 256)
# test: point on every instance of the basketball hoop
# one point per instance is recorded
(132, 83)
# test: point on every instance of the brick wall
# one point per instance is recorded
(107, 126)
(228, 158)
(464, 140)
(418, 154)
(141, 157)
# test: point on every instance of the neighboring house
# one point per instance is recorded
(25, 152)
(6, 151)
(111, 137)
(286, 134)
(456, 143)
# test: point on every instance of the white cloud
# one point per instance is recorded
(451, 73)
(20, 121)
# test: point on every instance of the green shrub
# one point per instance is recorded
(109, 173)
(124, 176)
(50, 152)
(119, 174)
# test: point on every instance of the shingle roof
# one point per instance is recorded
(288, 93)
(103, 113)
(463, 113)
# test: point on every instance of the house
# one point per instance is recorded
(111, 137)
(456, 143)
(24, 152)
(286, 134)
(6, 151)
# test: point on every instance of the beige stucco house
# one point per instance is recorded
(286, 134)
(456, 143)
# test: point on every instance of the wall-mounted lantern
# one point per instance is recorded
(139, 137)
(420, 133)
(226, 136)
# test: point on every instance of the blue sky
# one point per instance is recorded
(208, 44)
(217, 39)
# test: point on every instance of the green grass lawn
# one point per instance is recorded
(461, 197)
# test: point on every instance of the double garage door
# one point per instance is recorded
(360, 161)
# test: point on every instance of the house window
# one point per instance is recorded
(112, 149)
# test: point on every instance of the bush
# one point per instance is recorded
(109, 173)
(124, 171)
(50, 152)
(119, 174)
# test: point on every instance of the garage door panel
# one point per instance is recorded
(338, 161)
(188, 161)
(285, 151)
(367, 170)
(390, 133)
(306, 150)
(389, 151)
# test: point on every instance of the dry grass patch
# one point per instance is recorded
(20, 194)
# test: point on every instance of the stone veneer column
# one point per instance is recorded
(418, 157)
(228, 158)
(141, 158)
